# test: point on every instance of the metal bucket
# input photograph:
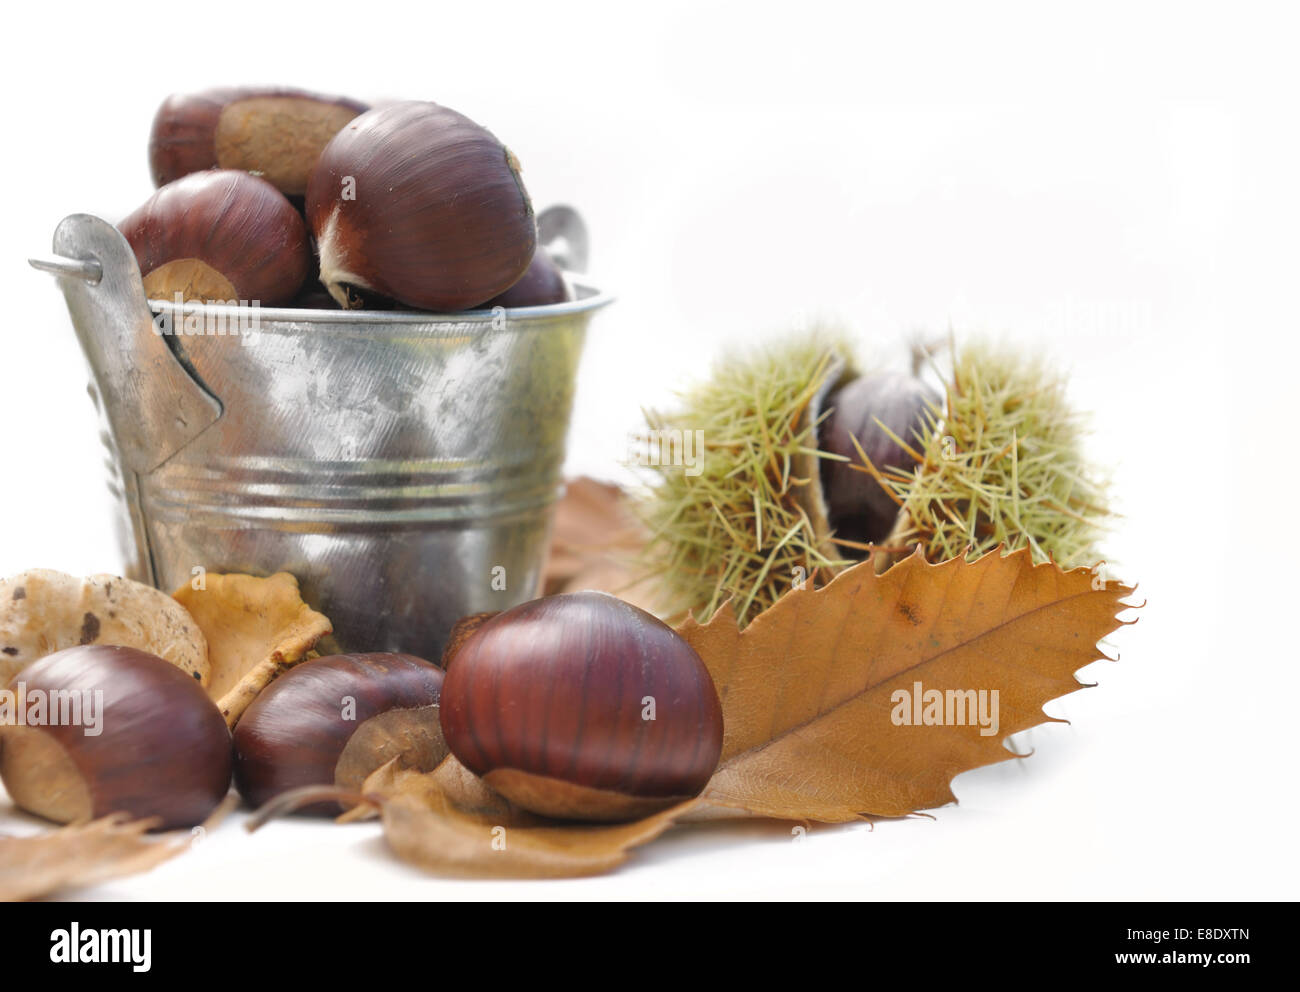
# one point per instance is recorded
(403, 466)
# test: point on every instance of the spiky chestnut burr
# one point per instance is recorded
(997, 460)
(1003, 463)
(745, 520)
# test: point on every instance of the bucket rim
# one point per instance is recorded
(589, 299)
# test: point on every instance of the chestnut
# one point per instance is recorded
(581, 706)
(859, 508)
(333, 720)
(277, 134)
(222, 235)
(541, 283)
(96, 729)
(416, 202)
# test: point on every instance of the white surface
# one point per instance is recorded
(1116, 185)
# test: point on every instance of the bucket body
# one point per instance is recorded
(403, 466)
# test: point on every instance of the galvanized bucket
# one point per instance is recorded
(403, 466)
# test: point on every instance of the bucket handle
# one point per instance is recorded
(153, 406)
(88, 270)
(562, 233)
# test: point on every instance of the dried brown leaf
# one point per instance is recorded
(808, 700)
(412, 737)
(450, 822)
(256, 629)
(808, 687)
(80, 855)
(596, 543)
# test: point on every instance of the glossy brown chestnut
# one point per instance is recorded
(222, 235)
(860, 510)
(158, 746)
(581, 706)
(275, 133)
(334, 720)
(418, 203)
(541, 283)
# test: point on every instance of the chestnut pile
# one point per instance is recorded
(289, 198)
(99, 729)
(577, 707)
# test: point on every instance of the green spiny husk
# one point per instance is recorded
(1001, 463)
(751, 523)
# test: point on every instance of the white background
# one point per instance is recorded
(1115, 185)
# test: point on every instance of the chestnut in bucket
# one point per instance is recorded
(870, 409)
(581, 706)
(97, 729)
(541, 283)
(277, 134)
(334, 720)
(222, 235)
(416, 202)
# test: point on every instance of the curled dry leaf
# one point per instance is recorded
(449, 821)
(398, 739)
(81, 855)
(43, 611)
(811, 687)
(256, 630)
(410, 737)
